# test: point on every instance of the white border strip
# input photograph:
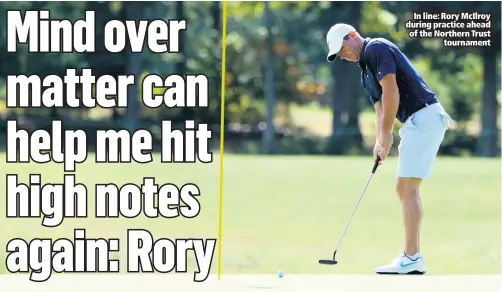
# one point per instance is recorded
(235, 283)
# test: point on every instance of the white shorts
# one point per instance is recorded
(421, 135)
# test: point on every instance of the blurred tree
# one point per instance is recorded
(488, 142)
(216, 53)
(133, 11)
(466, 79)
(101, 61)
(181, 64)
(268, 134)
(346, 134)
(445, 60)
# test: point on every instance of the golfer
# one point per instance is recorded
(397, 90)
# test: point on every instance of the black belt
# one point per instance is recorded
(427, 104)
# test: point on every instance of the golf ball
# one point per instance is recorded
(280, 273)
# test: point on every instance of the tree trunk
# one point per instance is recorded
(489, 139)
(133, 67)
(217, 52)
(180, 67)
(268, 134)
(346, 134)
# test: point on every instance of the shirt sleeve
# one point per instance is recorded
(382, 60)
(373, 99)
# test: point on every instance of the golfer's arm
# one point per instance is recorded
(378, 110)
(390, 102)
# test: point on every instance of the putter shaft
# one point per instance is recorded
(375, 166)
(353, 212)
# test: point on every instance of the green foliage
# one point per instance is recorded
(460, 92)
(298, 28)
(466, 88)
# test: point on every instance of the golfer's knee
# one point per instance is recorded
(407, 187)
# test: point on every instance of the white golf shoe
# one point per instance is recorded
(403, 264)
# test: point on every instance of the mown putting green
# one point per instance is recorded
(286, 212)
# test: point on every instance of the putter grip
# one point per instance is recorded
(376, 164)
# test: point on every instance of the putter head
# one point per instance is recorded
(328, 262)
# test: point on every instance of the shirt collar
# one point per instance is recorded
(362, 61)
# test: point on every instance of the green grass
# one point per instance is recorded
(288, 212)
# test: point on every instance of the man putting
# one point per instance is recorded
(397, 90)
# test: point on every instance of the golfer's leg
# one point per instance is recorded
(407, 183)
(421, 206)
(420, 141)
(416, 158)
(407, 189)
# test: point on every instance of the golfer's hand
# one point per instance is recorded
(376, 150)
(385, 143)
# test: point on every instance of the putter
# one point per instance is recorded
(333, 261)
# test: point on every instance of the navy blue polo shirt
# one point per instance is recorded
(380, 57)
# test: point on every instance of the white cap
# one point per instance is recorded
(334, 38)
